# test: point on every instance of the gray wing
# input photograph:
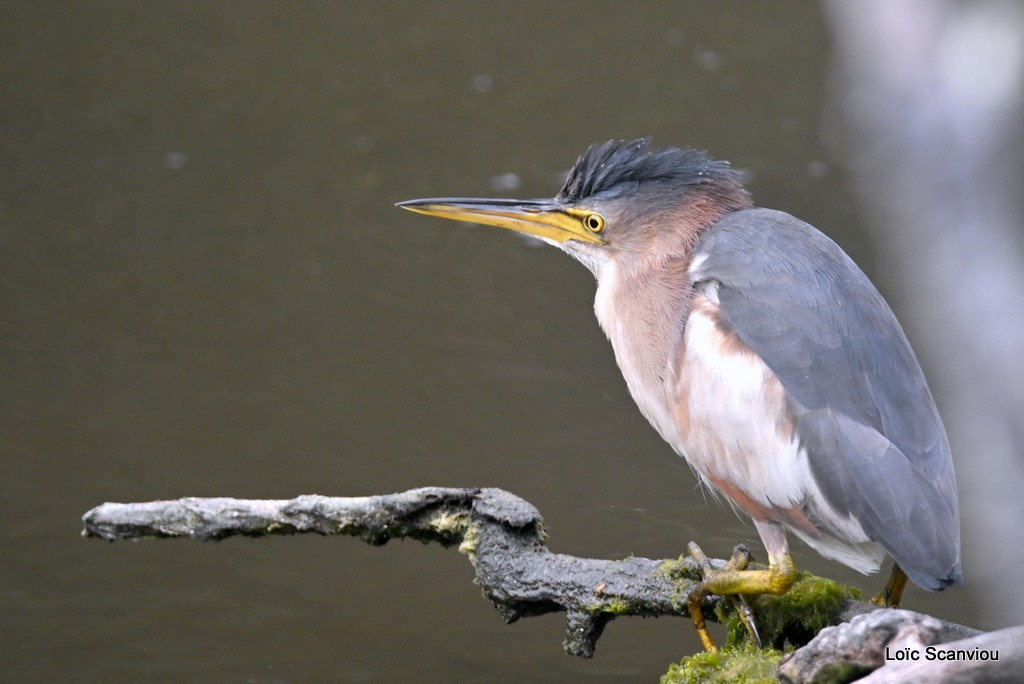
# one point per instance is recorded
(862, 408)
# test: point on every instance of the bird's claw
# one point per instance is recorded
(739, 602)
(893, 590)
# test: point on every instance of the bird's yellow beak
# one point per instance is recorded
(541, 218)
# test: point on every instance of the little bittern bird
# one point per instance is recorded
(762, 354)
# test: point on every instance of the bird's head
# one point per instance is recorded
(621, 201)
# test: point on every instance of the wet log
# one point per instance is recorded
(502, 535)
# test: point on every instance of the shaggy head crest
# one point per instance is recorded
(620, 167)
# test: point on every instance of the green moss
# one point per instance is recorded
(453, 528)
(810, 605)
(681, 571)
(450, 524)
(744, 664)
(470, 540)
(616, 607)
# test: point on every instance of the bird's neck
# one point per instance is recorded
(642, 311)
(642, 301)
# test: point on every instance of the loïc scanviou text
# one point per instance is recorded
(940, 653)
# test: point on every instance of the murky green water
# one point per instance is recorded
(205, 290)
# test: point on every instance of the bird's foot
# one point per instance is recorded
(738, 562)
(893, 590)
(733, 581)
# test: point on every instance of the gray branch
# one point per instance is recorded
(502, 535)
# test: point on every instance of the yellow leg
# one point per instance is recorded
(733, 580)
(893, 591)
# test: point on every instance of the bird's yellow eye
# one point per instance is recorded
(594, 222)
